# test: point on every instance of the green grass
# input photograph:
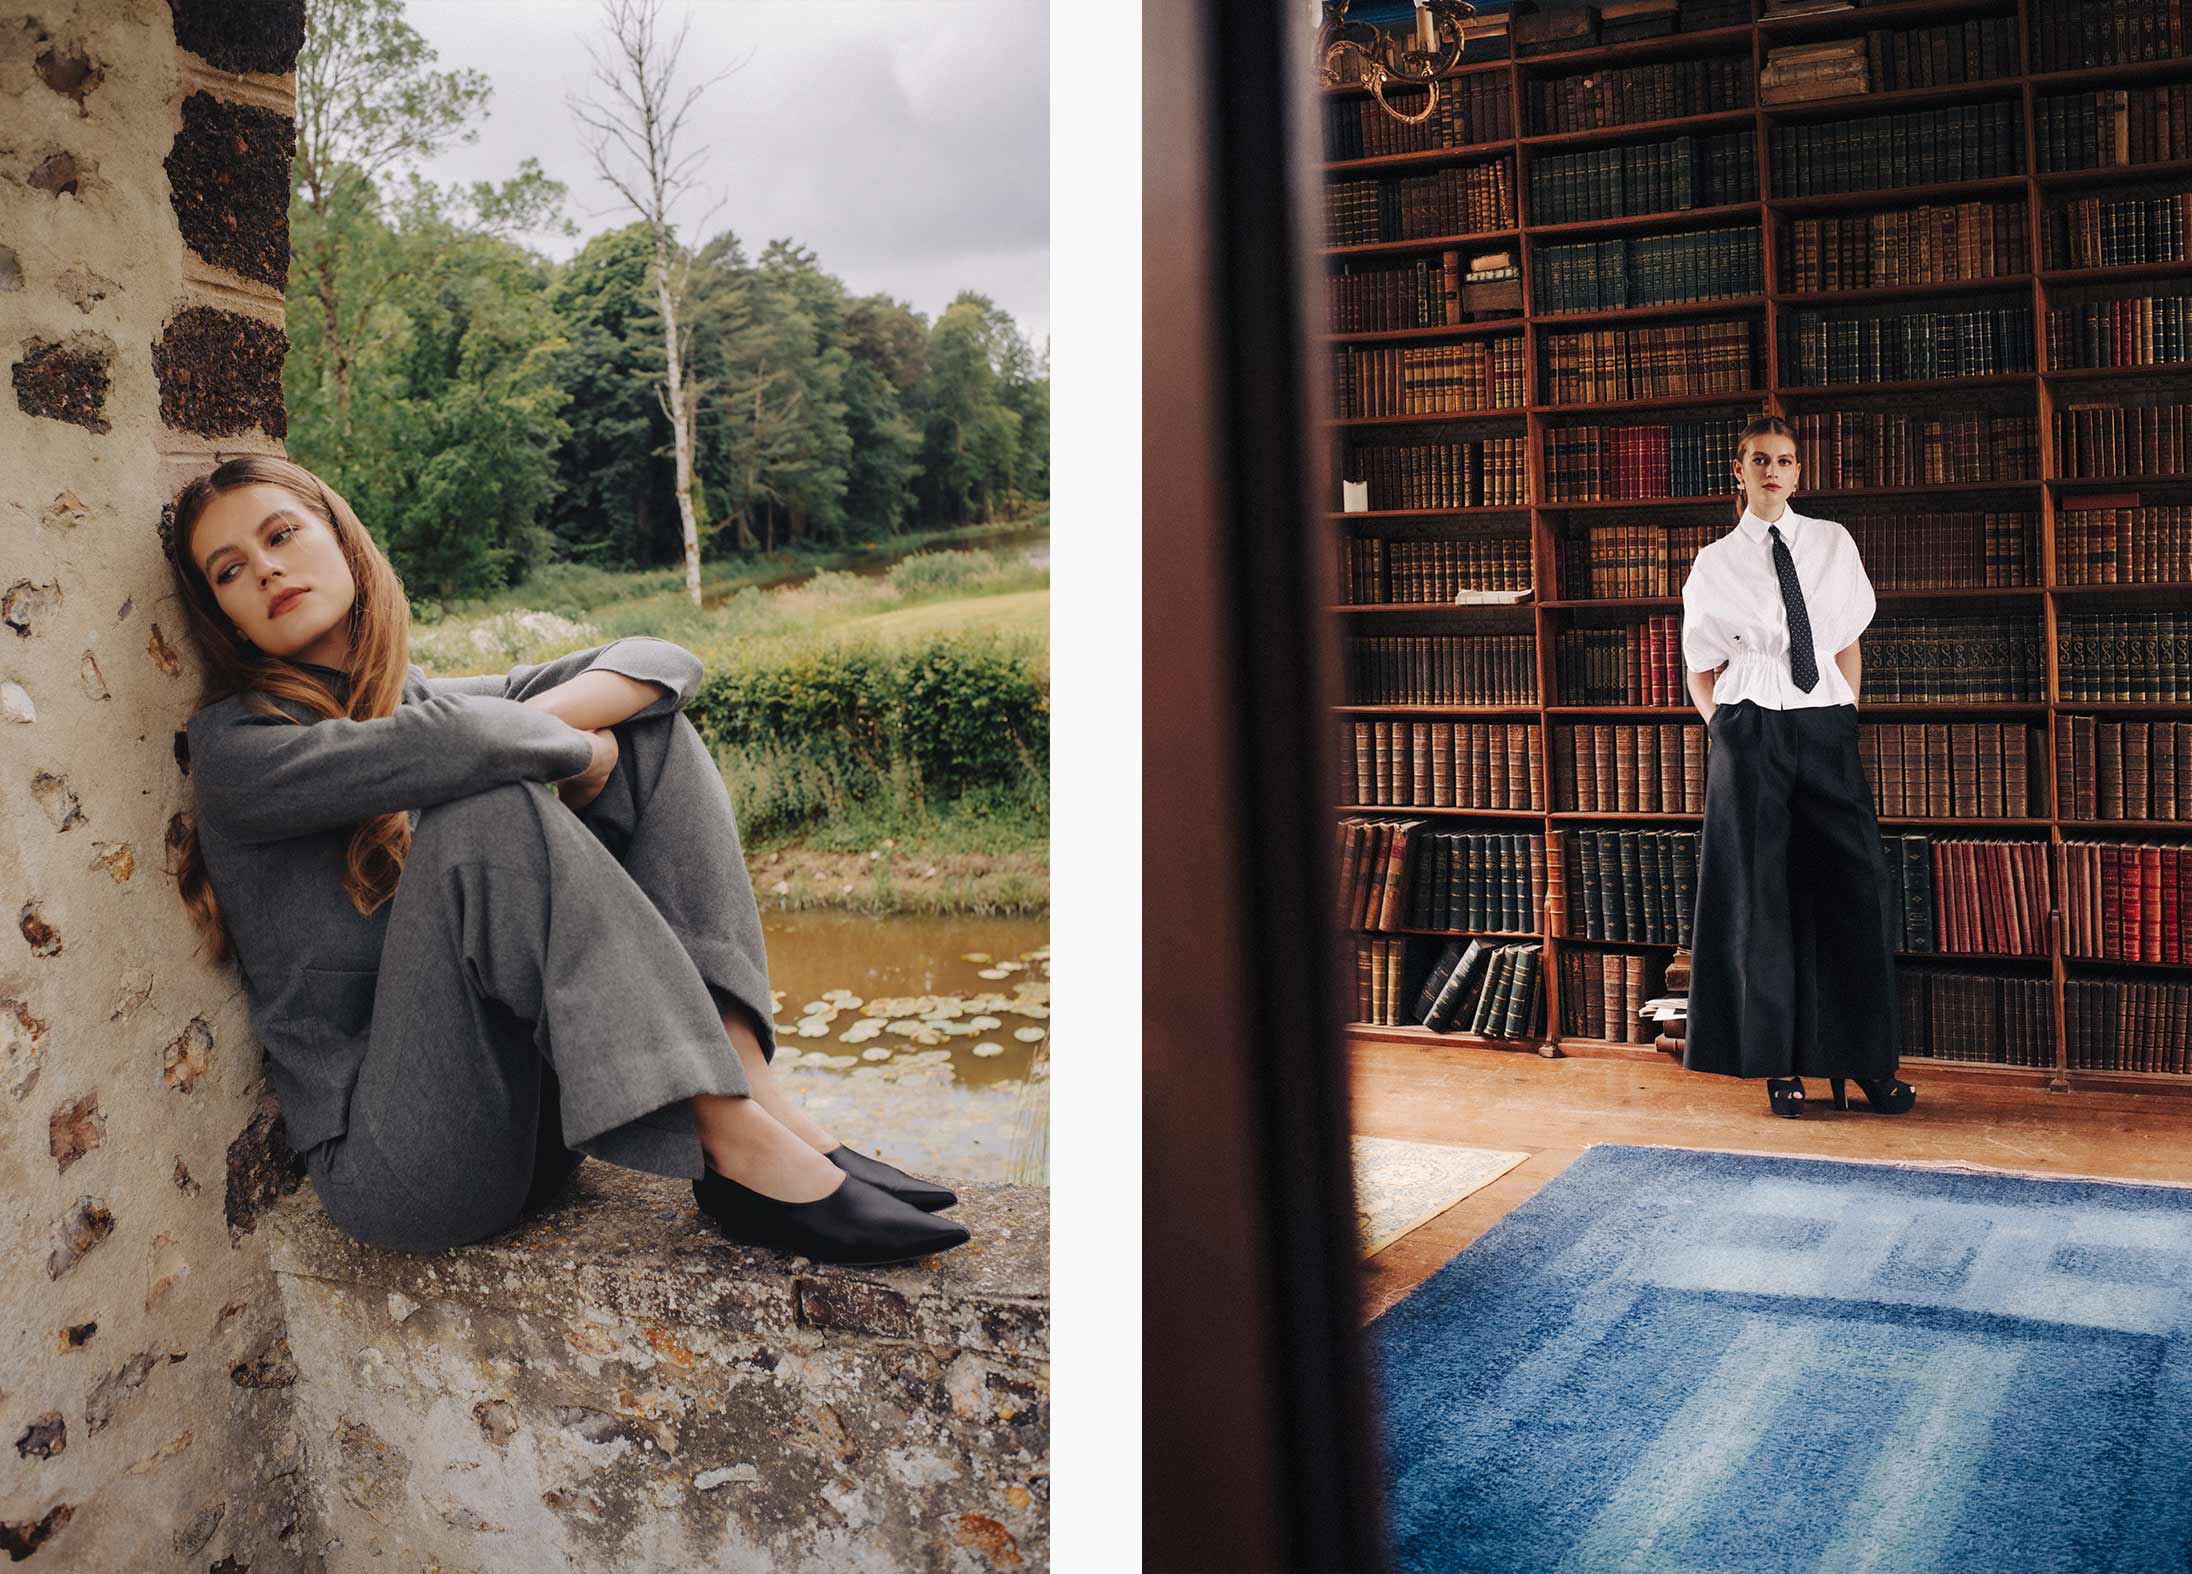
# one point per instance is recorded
(795, 793)
(569, 607)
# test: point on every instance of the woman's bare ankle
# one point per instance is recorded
(744, 1142)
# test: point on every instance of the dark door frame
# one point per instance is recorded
(1259, 1451)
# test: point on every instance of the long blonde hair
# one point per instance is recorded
(380, 651)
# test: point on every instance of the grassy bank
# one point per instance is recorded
(885, 736)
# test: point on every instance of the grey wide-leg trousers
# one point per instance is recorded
(550, 981)
(1792, 965)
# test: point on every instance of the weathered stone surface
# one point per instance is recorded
(66, 379)
(121, 1385)
(25, 604)
(220, 372)
(44, 1437)
(612, 1384)
(74, 1129)
(228, 178)
(187, 1055)
(241, 35)
(20, 1538)
(83, 1227)
(261, 1167)
(69, 71)
(53, 794)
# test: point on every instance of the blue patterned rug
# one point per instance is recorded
(1671, 1360)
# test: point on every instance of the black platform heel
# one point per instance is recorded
(925, 1195)
(855, 1224)
(1786, 1095)
(1883, 1095)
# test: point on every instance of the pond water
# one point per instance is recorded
(890, 1035)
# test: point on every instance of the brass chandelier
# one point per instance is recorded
(1361, 54)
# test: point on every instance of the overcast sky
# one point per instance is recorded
(906, 142)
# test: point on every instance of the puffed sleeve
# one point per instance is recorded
(1852, 598)
(259, 778)
(674, 668)
(1703, 647)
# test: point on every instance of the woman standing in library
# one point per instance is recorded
(1792, 971)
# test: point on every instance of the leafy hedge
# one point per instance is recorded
(963, 714)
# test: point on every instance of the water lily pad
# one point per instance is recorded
(988, 1050)
(813, 1029)
(1027, 1035)
(974, 956)
(993, 972)
(983, 1024)
(877, 1053)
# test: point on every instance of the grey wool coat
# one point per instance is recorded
(276, 804)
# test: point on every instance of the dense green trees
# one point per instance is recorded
(486, 409)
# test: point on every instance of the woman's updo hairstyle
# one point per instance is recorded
(1760, 426)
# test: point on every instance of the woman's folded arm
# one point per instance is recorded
(672, 668)
(262, 778)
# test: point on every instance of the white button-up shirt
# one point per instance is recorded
(1732, 610)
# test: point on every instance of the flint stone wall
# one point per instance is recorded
(146, 1382)
(611, 1384)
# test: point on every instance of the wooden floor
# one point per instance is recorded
(1553, 1109)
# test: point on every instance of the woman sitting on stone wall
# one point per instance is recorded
(459, 974)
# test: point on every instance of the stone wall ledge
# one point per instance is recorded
(637, 1247)
(612, 1384)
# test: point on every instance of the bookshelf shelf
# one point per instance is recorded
(1460, 153)
(1443, 811)
(1427, 418)
(1557, 322)
(1638, 131)
(1899, 196)
(2124, 74)
(2121, 273)
(1584, 229)
(1778, 30)
(1402, 248)
(1376, 1033)
(1926, 385)
(1639, 51)
(2112, 174)
(1710, 500)
(1557, 526)
(1899, 292)
(1459, 330)
(1805, 111)
(1376, 514)
(1657, 402)
(2159, 369)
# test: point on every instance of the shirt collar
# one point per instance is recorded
(1754, 528)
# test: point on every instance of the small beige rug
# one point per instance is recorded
(1400, 1185)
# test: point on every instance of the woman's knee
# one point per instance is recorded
(503, 816)
(391, 1220)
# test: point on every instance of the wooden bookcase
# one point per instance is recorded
(1546, 614)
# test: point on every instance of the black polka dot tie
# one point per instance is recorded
(1803, 665)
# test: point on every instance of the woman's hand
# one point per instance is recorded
(580, 790)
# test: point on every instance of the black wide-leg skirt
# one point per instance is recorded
(1793, 967)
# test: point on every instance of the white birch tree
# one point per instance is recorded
(633, 141)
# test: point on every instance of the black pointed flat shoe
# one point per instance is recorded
(855, 1224)
(1883, 1095)
(925, 1195)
